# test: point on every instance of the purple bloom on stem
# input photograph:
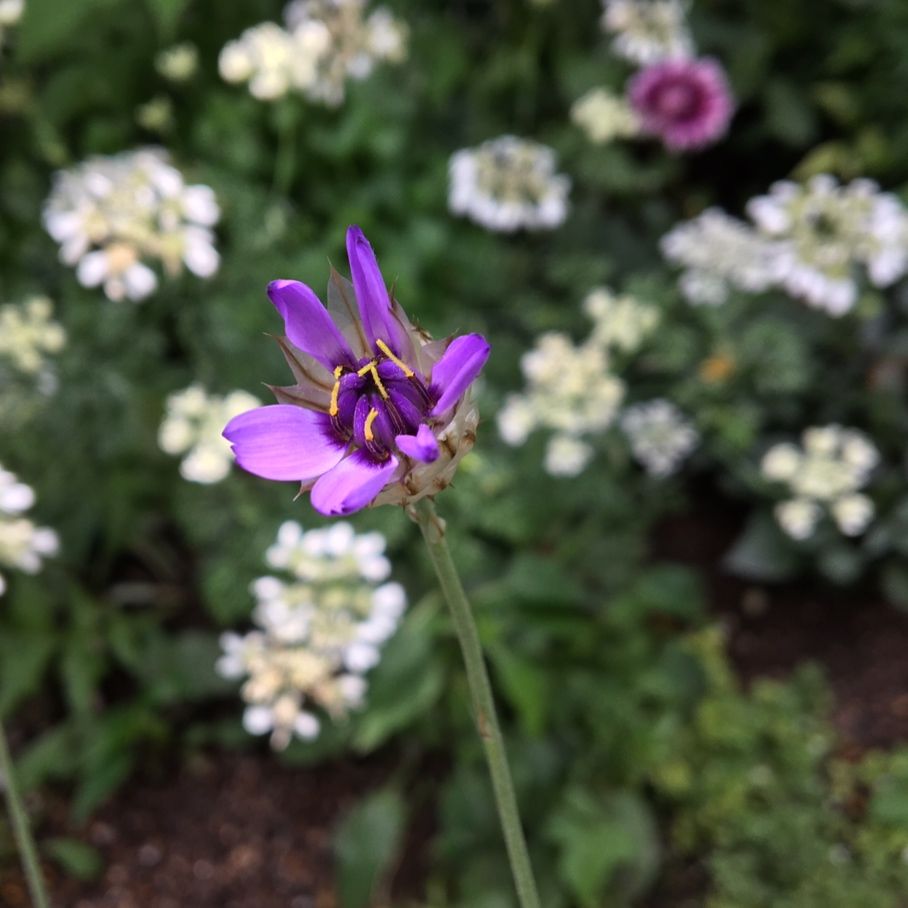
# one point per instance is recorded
(379, 414)
(687, 103)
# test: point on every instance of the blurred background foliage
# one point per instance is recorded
(635, 749)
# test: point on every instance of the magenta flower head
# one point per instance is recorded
(380, 413)
(687, 103)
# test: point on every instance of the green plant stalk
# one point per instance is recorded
(21, 829)
(433, 531)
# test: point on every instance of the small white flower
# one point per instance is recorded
(660, 436)
(23, 545)
(604, 116)
(853, 513)
(647, 31)
(566, 455)
(798, 517)
(508, 184)
(619, 322)
(781, 462)
(179, 62)
(192, 426)
(719, 253)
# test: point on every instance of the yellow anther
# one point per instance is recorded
(370, 367)
(399, 363)
(367, 429)
(338, 371)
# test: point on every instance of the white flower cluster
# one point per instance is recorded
(29, 336)
(661, 437)
(824, 230)
(823, 475)
(604, 116)
(110, 214)
(10, 13)
(807, 239)
(647, 31)
(620, 323)
(318, 633)
(193, 425)
(571, 389)
(324, 43)
(22, 544)
(178, 63)
(719, 253)
(508, 183)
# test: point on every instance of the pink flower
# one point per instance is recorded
(687, 103)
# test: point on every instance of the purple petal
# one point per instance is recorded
(421, 446)
(457, 369)
(352, 484)
(283, 442)
(372, 294)
(308, 324)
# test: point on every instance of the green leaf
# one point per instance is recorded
(609, 847)
(76, 858)
(23, 660)
(167, 14)
(524, 685)
(366, 844)
(49, 25)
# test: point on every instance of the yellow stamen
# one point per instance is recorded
(367, 429)
(400, 365)
(338, 371)
(370, 367)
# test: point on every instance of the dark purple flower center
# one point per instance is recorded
(677, 100)
(376, 401)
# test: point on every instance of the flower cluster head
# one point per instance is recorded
(322, 45)
(686, 103)
(179, 62)
(824, 475)
(810, 240)
(604, 116)
(621, 323)
(647, 31)
(192, 426)
(508, 183)
(379, 414)
(719, 253)
(661, 437)
(320, 628)
(571, 389)
(824, 231)
(22, 544)
(111, 215)
(28, 337)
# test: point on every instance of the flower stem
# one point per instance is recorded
(21, 830)
(433, 531)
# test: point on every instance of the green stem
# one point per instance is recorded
(433, 531)
(21, 830)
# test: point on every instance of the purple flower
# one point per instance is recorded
(380, 413)
(687, 103)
